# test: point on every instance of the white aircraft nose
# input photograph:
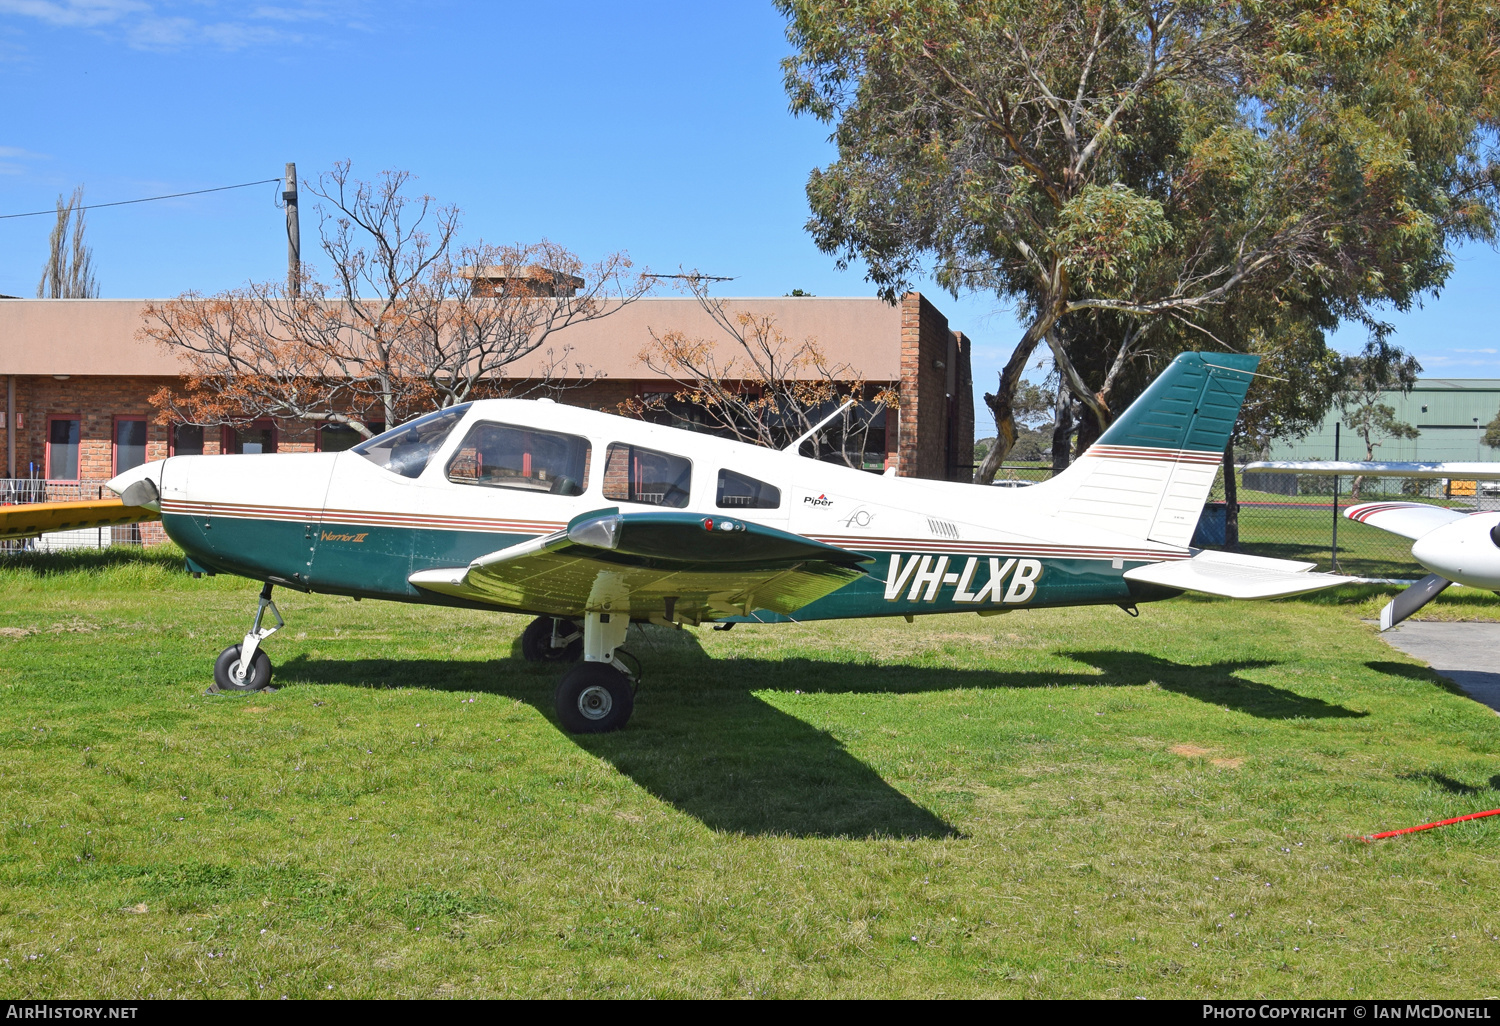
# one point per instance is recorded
(139, 486)
(1464, 551)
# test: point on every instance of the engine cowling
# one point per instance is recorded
(1466, 551)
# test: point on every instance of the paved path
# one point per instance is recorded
(1466, 653)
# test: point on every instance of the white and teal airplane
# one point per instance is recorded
(592, 522)
(1454, 545)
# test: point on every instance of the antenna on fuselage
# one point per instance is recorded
(819, 426)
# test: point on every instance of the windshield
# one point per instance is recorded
(405, 450)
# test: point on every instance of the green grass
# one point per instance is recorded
(1058, 803)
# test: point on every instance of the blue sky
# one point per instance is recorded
(659, 128)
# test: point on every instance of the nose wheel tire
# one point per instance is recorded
(594, 698)
(536, 641)
(228, 664)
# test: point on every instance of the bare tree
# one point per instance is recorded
(763, 388)
(411, 320)
(69, 271)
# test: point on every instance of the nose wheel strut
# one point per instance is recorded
(244, 667)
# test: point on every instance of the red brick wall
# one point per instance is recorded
(916, 436)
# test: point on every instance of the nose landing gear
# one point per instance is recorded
(244, 667)
(551, 639)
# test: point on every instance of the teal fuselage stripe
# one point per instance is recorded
(375, 562)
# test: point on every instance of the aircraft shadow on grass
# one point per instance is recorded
(702, 740)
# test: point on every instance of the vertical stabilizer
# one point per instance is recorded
(1150, 473)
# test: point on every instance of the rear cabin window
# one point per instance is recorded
(407, 449)
(633, 474)
(736, 491)
(505, 456)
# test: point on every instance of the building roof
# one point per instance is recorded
(97, 336)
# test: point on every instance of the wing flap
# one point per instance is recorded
(32, 519)
(686, 566)
(1232, 575)
(1408, 519)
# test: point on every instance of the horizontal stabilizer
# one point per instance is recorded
(1232, 575)
(1408, 519)
(1348, 468)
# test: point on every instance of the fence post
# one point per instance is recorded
(1335, 567)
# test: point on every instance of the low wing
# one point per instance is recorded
(1232, 575)
(1408, 519)
(32, 519)
(680, 566)
(1347, 468)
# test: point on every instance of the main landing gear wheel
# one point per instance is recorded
(227, 669)
(594, 698)
(550, 639)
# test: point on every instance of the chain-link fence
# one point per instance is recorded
(18, 491)
(1291, 516)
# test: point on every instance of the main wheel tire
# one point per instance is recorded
(594, 698)
(536, 642)
(228, 664)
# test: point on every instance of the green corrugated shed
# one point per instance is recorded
(1451, 413)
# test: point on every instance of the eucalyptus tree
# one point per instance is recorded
(1137, 177)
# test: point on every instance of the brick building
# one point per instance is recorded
(77, 381)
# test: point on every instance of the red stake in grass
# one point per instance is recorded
(1429, 826)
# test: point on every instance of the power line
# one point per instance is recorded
(147, 199)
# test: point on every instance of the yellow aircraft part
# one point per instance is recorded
(31, 519)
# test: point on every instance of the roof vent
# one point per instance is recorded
(942, 528)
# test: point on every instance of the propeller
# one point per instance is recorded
(1417, 596)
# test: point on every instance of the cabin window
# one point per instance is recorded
(633, 474)
(62, 449)
(736, 491)
(406, 450)
(187, 440)
(505, 456)
(130, 443)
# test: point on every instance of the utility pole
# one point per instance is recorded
(293, 233)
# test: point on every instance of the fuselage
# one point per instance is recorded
(347, 523)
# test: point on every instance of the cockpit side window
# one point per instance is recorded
(506, 456)
(407, 449)
(736, 491)
(633, 474)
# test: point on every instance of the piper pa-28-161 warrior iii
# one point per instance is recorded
(1452, 544)
(591, 522)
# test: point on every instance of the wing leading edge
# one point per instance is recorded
(677, 566)
(32, 519)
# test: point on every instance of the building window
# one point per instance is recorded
(338, 437)
(130, 443)
(736, 491)
(62, 449)
(633, 474)
(501, 456)
(187, 440)
(256, 438)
